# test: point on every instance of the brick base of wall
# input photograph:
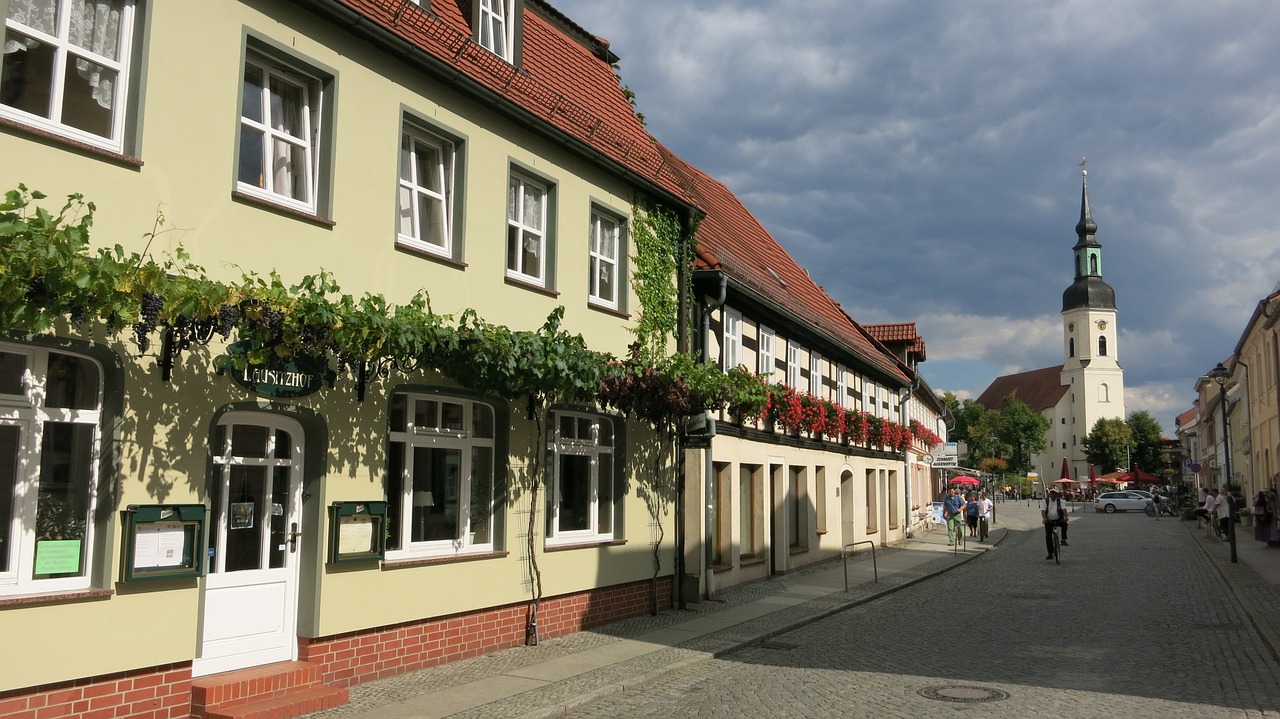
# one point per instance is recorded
(347, 659)
(363, 656)
(154, 693)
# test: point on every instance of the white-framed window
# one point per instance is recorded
(731, 351)
(842, 387)
(526, 230)
(426, 191)
(793, 365)
(869, 389)
(605, 238)
(815, 374)
(495, 31)
(441, 476)
(279, 133)
(50, 414)
(581, 496)
(765, 355)
(66, 67)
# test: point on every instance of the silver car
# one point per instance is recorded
(1123, 501)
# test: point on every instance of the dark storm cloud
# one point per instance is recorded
(920, 158)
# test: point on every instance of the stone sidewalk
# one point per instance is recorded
(560, 674)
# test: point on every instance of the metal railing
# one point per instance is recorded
(844, 555)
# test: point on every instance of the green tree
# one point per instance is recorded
(1145, 431)
(1108, 444)
(1022, 430)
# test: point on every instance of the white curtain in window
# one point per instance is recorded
(95, 26)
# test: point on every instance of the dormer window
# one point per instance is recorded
(497, 25)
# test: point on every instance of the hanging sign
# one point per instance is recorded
(281, 379)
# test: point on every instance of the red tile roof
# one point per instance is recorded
(899, 332)
(1186, 417)
(896, 332)
(732, 240)
(560, 80)
(1040, 389)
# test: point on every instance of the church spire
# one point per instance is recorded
(1088, 290)
(1086, 228)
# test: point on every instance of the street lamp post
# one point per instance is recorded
(1220, 375)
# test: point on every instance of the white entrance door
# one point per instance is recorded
(250, 597)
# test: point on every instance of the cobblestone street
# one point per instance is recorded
(1137, 621)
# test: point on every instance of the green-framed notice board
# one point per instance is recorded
(163, 541)
(355, 531)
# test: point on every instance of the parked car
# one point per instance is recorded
(1123, 501)
(1143, 492)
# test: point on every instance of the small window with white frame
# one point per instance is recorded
(604, 260)
(280, 118)
(426, 191)
(765, 356)
(842, 388)
(66, 68)
(526, 230)
(441, 477)
(815, 374)
(50, 417)
(581, 496)
(496, 26)
(793, 365)
(731, 349)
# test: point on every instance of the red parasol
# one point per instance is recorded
(1066, 471)
(965, 479)
(1137, 475)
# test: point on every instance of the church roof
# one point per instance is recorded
(1040, 389)
(1091, 292)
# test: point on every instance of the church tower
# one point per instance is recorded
(1091, 371)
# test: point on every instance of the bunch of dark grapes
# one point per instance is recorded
(273, 321)
(79, 315)
(140, 336)
(226, 320)
(148, 315)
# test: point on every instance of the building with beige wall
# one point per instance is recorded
(388, 517)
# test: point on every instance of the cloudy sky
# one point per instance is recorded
(921, 159)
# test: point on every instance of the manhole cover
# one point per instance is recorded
(963, 694)
(777, 645)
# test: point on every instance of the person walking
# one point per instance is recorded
(1053, 514)
(971, 514)
(953, 513)
(985, 509)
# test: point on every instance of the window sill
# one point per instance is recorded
(82, 147)
(750, 561)
(799, 550)
(430, 561)
(433, 256)
(584, 545)
(72, 595)
(608, 310)
(248, 199)
(526, 285)
(721, 567)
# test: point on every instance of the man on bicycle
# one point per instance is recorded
(1053, 514)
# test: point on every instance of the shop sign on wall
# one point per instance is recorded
(280, 379)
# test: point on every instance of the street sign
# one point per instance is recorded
(946, 461)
